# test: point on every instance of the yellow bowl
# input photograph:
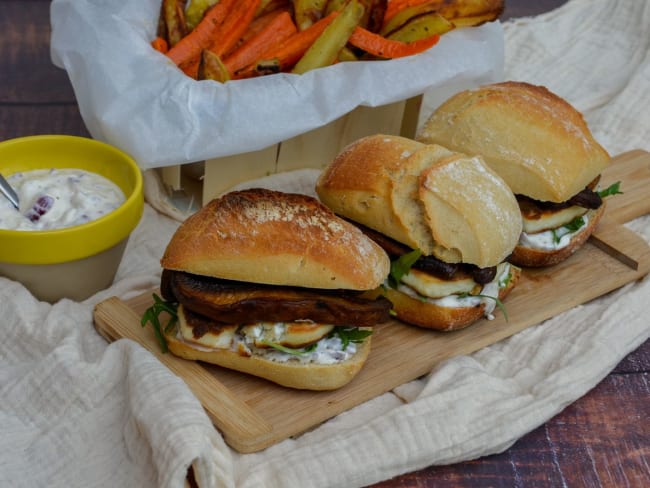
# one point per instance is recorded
(72, 262)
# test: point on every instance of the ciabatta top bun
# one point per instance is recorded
(453, 209)
(275, 238)
(542, 147)
(270, 284)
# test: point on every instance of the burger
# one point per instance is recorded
(543, 149)
(270, 284)
(447, 221)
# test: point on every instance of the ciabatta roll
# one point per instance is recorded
(542, 148)
(452, 209)
(270, 284)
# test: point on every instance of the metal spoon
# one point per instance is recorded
(9, 192)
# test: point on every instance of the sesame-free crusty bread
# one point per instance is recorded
(271, 237)
(536, 141)
(427, 197)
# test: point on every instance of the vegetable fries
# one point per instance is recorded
(226, 40)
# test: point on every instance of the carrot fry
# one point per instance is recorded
(160, 44)
(292, 48)
(274, 32)
(233, 27)
(188, 50)
(387, 48)
(394, 6)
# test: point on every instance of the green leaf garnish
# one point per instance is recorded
(351, 334)
(613, 189)
(402, 265)
(346, 334)
(572, 226)
(152, 314)
(289, 350)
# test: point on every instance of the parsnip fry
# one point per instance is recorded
(174, 12)
(325, 49)
(307, 12)
(455, 9)
(211, 68)
(195, 11)
(421, 27)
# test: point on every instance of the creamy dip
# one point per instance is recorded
(58, 198)
(551, 240)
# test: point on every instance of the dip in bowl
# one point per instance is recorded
(80, 201)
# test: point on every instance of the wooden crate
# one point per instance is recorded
(314, 149)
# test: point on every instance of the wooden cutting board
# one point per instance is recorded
(253, 414)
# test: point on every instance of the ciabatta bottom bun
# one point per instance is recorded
(552, 246)
(303, 372)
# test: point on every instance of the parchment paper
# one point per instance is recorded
(136, 99)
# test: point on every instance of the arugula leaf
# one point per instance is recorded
(351, 334)
(346, 334)
(613, 189)
(572, 226)
(402, 265)
(152, 314)
(290, 350)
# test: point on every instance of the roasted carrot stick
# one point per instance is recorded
(386, 48)
(160, 44)
(233, 27)
(395, 6)
(272, 35)
(188, 50)
(292, 48)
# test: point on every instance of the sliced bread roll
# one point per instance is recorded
(444, 203)
(540, 145)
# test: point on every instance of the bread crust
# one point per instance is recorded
(265, 236)
(318, 377)
(420, 195)
(431, 316)
(537, 258)
(536, 141)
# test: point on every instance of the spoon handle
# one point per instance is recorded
(9, 192)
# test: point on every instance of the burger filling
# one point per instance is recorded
(302, 342)
(456, 293)
(549, 226)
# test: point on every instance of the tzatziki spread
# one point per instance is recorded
(551, 240)
(58, 198)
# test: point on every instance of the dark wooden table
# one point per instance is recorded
(601, 440)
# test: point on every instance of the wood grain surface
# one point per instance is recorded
(601, 440)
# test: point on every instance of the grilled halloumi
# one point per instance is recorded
(538, 220)
(430, 286)
(289, 334)
(214, 337)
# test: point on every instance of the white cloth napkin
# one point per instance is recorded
(76, 411)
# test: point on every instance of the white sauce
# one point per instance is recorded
(328, 350)
(489, 292)
(550, 240)
(58, 198)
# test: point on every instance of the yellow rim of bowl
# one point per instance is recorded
(71, 243)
